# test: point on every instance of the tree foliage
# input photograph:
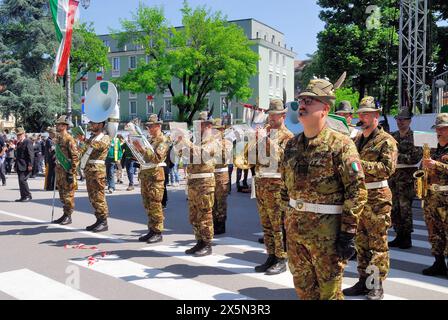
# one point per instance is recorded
(206, 54)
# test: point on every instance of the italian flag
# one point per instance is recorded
(63, 13)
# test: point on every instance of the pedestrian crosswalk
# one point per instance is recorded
(233, 261)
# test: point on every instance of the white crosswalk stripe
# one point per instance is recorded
(25, 284)
(166, 283)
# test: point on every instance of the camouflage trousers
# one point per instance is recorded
(316, 268)
(403, 193)
(371, 238)
(96, 183)
(221, 192)
(66, 191)
(436, 218)
(200, 206)
(152, 195)
(272, 213)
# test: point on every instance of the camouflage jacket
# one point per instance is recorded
(99, 152)
(378, 155)
(160, 144)
(407, 152)
(439, 175)
(325, 170)
(277, 142)
(70, 150)
(201, 160)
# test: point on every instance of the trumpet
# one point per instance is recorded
(421, 176)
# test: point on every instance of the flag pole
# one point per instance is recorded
(68, 90)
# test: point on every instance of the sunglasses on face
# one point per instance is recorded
(307, 101)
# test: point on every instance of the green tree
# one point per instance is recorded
(88, 54)
(206, 54)
(27, 43)
(363, 41)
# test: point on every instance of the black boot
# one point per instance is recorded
(277, 268)
(261, 240)
(156, 237)
(396, 242)
(99, 226)
(64, 220)
(219, 227)
(206, 250)
(406, 242)
(239, 188)
(199, 245)
(437, 269)
(270, 261)
(354, 257)
(146, 237)
(359, 289)
(376, 293)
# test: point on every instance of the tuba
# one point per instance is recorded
(101, 104)
(421, 176)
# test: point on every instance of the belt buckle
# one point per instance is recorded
(300, 205)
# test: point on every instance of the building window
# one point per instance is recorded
(150, 107)
(132, 62)
(273, 39)
(132, 95)
(277, 82)
(258, 35)
(277, 58)
(84, 88)
(168, 105)
(284, 83)
(271, 81)
(115, 67)
(265, 37)
(133, 108)
(106, 43)
(270, 56)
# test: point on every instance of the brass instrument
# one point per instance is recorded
(421, 176)
(136, 136)
(241, 159)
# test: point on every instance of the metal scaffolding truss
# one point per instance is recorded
(412, 54)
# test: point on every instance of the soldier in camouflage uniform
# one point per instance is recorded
(345, 110)
(268, 184)
(436, 202)
(152, 179)
(402, 182)
(222, 181)
(324, 187)
(201, 184)
(378, 151)
(93, 163)
(66, 181)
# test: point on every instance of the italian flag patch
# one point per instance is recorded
(356, 166)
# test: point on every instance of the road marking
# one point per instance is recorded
(166, 283)
(404, 277)
(25, 284)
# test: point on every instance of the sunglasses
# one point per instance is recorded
(307, 101)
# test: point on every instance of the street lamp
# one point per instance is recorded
(85, 3)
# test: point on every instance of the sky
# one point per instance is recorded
(297, 19)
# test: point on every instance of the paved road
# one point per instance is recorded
(39, 261)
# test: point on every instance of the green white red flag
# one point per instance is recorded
(63, 13)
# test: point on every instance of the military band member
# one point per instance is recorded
(436, 202)
(222, 180)
(152, 179)
(324, 187)
(93, 164)
(268, 185)
(378, 152)
(402, 182)
(66, 181)
(201, 185)
(345, 110)
(50, 160)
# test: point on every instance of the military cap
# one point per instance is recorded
(441, 121)
(344, 107)
(203, 117)
(153, 119)
(276, 106)
(20, 130)
(368, 105)
(51, 130)
(404, 114)
(320, 89)
(64, 120)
